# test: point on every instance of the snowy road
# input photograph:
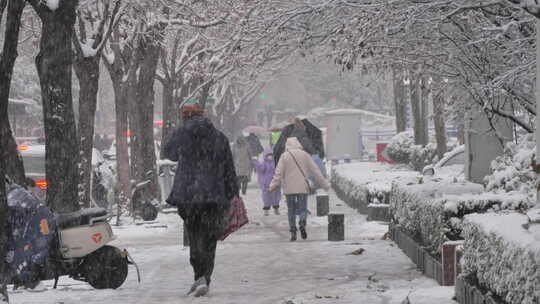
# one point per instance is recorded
(260, 265)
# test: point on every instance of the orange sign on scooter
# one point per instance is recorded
(44, 225)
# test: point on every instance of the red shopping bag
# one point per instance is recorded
(237, 217)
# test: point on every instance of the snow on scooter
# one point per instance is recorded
(42, 246)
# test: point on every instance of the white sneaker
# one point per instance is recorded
(201, 291)
(266, 212)
(200, 282)
(276, 211)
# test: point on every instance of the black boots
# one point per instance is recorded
(293, 236)
(303, 232)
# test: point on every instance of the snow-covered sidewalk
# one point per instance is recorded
(260, 265)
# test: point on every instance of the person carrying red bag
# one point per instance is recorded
(205, 183)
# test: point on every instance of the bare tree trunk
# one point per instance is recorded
(143, 154)
(87, 70)
(416, 110)
(54, 66)
(399, 100)
(438, 118)
(425, 92)
(5, 82)
(169, 114)
(11, 159)
(122, 148)
(205, 93)
(461, 132)
(3, 232)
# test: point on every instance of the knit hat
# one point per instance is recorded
(189, 112)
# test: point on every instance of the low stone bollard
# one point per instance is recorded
(323, 204)
(336, 227)
(378, 212)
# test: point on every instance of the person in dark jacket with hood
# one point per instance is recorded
(204, 184)
(255, 147)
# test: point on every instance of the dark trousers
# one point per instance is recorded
(297, 205)
(243, 183)
(203, 228)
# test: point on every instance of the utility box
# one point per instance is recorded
(342, 134)
(483, 144)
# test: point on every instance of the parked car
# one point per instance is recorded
(34, 164)
(452, 163)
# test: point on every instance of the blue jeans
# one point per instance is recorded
(297, 205)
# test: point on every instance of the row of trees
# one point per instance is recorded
(447, 55)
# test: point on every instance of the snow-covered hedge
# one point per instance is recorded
(432, 212)
(513, 171)
(350, 192)
(362, 184)
(402, 150)
(503, 256)
(400, 147)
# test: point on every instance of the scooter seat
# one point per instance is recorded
(78, 218)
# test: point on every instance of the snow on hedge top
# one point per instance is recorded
(52, 4)
(376, 176)
(509, 227)
(440, 188)
(482, 201)
(359, 112)
(513, 171)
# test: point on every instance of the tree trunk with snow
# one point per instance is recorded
(121, 122)
(416, 107)
(3, 233)
(425, 88)
(399, 100)
(205, 93)
(438, 118)
(6, 64)
(169, 113)
(54, 65)
(141, 95)
(87, 70)
(10, 156)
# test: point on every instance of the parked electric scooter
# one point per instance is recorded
(42, 246)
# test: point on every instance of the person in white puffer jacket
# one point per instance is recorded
(294, 168)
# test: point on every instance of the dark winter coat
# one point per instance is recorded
(255, 147)
(205, 172)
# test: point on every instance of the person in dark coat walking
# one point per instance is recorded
(255, 147)
(204, 184)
